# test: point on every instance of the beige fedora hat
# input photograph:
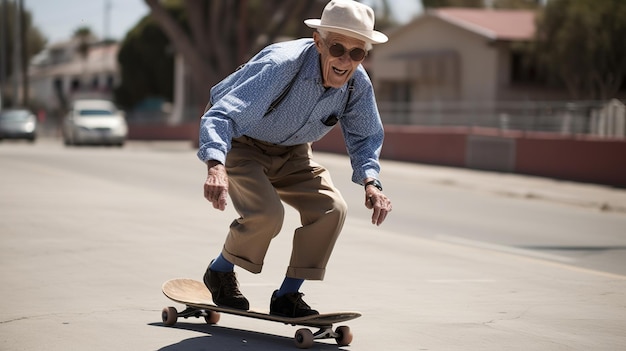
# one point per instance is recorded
(349, 18)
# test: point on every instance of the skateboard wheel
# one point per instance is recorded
(212, 317)
(169, 315)
(345, 336)
(303, 338)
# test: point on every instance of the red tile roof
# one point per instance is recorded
(493, 24)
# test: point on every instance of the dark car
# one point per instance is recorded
(18, 124)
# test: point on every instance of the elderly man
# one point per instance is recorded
(256, 141)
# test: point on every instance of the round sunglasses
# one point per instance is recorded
(338, 50)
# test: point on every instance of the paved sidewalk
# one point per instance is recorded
(594, 196)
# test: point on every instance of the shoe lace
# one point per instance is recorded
(299, 302)
(230, 285)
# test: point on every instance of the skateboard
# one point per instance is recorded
(198, 302)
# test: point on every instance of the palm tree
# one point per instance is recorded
(84, 37)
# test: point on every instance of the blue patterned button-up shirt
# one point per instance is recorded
(241, 100)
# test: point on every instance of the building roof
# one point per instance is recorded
(513, 25)
(100, 59)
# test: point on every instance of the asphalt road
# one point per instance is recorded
(89, 234)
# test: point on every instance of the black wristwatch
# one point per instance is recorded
(375, 183)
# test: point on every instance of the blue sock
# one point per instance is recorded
(220, 264)
(290, 285)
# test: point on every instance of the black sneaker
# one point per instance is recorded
(225, 289)
(290, 305)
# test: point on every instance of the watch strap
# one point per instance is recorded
(375, 183)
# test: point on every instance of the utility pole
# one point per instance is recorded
(3, 48)
(17, 54)
(242, 34)
(107, 19)
(25, 61)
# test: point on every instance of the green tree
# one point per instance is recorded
(146, 59)
(516, 4)
(85, 37)
(214, 37)
(582, 43)
(497, 4)
(33, 40)
(224, 33)
(384, 17)
(452, 3)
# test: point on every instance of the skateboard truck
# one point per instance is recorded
(169, 315)
(304, 338)
(192, 312)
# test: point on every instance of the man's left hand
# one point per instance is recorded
(380, 204)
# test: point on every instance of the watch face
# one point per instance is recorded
(375, 183)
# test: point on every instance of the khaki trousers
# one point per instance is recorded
(261, 177)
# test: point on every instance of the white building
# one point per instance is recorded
(61, 73)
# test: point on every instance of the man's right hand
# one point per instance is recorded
(216, 185)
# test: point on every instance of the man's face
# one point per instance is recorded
(336, 71)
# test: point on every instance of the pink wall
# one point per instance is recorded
(587, 160)
(444, 146)
(583, 159)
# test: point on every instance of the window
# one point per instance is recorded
(394, 91)
(523, 70)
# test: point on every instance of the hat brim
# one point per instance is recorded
(375, 38)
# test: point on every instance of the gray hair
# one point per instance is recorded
(324, 35)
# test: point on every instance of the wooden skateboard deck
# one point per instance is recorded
(197, 298)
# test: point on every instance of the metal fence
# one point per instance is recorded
(600, 118)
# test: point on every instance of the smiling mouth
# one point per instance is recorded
(340, 71)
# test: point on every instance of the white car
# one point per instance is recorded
(94, 122)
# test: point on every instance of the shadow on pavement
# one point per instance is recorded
(223, 338)
(572, 248)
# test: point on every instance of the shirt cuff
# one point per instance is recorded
(212, 154)
(359, 177)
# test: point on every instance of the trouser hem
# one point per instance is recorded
(306, 273)
(243, 263)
